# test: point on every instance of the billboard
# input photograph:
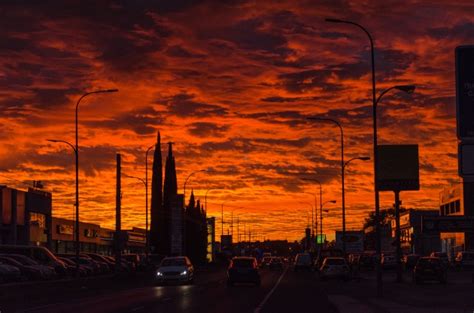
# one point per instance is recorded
(354, 241)
(465, 91)
(398, 168)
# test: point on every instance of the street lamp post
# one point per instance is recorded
(322, 206)
(320, 203)
(344, 201)
(147, 246)
(77, 196)
(342, 176)
(406, 88)
(77, 165)
(186, 181)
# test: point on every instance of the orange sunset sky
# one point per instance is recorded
(231, 83)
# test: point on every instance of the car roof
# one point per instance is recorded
(243, 258)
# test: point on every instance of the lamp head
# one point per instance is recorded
(332, 201)
(111, 90)
(51, 140)
(333, 20)
(406, 88)
(364, 158)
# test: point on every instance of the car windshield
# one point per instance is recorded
(335, 262)
(428, 262)
(173, 262)
(303, 258)
(242, 263)
(468, 256)
(24, 260)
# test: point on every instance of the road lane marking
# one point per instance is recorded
(260, 306)
(138, 308)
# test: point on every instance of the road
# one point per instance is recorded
(280, 291)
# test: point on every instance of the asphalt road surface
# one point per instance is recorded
(280, 291)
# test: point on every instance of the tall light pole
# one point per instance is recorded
(77, 163)
(344, 202)
(320, 202)
(335, 122)
(186, 181)
(144, 182)
(322, 206)
(77, 198)
(406, 88)
(147, 241)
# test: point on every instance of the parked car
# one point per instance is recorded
(100, 258)
(276, 263)
(303, 262)
(39, 254)
(443, 256)
(266, 261)
(175, 269)
(429, 268)
(334, 267)
(367, 260)
(465, 259)
(72, 267)
(133, 259)
(243, 270)
(388, 261)
(409, 261)
(9, 273)
(28, 268)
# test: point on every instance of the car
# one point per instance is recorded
(9, 273)
(175, 269)
(72, 267)
(276, 263)
(99, 258)
(303, 261)
(409, 261)
(39, 254)
(443, 256)
(429, 268)
(367, 260)
(266, 261)
(388, 261)
(29, 268)
(334, 267)
(243, 270)
(465, 259)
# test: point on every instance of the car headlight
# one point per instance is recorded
(159, 273)
(184, 272)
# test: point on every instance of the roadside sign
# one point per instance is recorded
(354, 240)
(466, 159)
(465, 91)
(398, 168)
(447, 224)
(320, 239)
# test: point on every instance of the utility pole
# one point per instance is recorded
(118, 221)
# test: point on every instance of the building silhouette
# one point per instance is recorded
(158, 224)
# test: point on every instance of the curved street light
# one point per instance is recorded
(77, 165)
(405, 88)
(186, 181)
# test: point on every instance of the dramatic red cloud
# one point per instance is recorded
(231, 83)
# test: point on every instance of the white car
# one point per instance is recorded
(175, 269)
(334, 267)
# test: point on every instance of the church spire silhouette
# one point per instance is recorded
(158, 218)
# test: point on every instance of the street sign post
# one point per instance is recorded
(466, 159)
(465, 92)
(398, 168)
